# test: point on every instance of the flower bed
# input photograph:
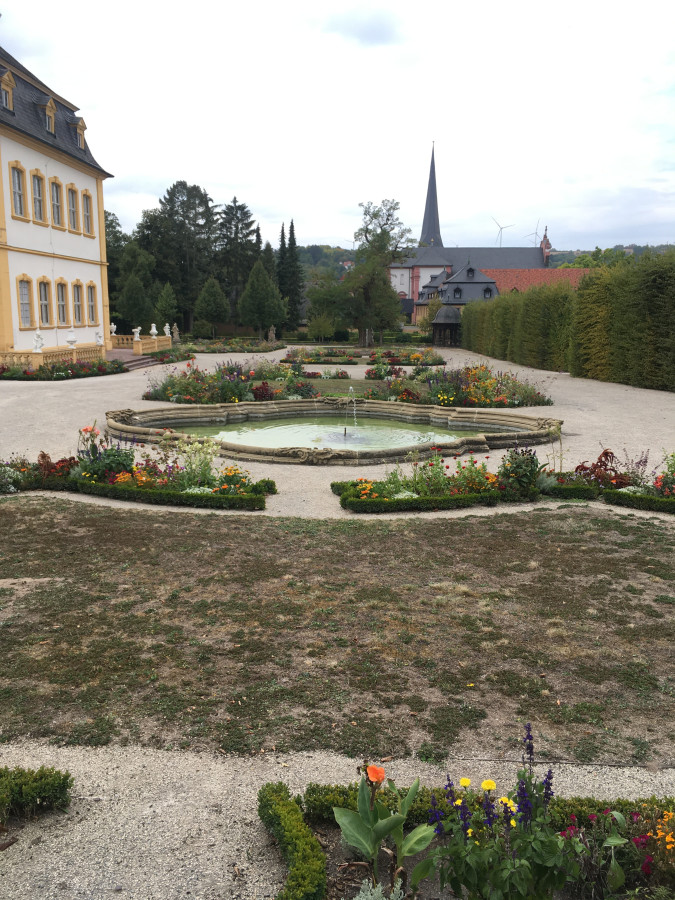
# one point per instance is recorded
(62, 371)
(229, 383)
(479, 387)
(235, 345)
(528, 842)
(434, 484)
(175, 354)
(176, 474)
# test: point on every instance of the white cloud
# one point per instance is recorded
(564, 114)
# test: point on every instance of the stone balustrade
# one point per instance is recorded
(27, 359)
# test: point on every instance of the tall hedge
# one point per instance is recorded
(618, 326)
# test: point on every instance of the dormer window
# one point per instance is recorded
(80, 127)
(7, 85)
(469, 272)
(487, 293)
(50, 115)
(457, 293)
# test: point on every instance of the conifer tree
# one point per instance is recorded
(212, 305)
(261, 304)
(294, 280)
(268, 260)
(281, 261)
(134, 303)
(166, 306)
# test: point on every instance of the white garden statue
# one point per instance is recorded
(71, 339)
(113, 328)
(176, 333)
(38, 342)
(167, 330)
(153, 330)
(136, 333)
(99, 338)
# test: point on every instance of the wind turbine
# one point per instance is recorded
(501, 228)
(534, 234)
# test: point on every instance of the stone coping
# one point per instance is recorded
(504, 428)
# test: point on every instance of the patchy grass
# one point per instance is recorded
(369, 638)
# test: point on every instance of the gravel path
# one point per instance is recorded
(158, 825)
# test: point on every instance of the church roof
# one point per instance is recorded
(431, 229)
(30, 96)
(481, 257)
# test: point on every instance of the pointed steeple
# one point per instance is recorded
(431, 229)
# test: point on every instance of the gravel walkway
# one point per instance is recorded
(158, 825)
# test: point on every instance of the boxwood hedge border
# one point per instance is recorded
(253, 501)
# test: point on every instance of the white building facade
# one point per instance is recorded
(53, 279)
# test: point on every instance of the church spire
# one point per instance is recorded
(431, 229)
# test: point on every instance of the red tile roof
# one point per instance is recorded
(522, 279)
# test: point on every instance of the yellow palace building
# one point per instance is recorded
(53, 279)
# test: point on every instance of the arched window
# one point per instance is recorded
(457, 293)
(487, 293)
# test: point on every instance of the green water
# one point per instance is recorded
(337, 432)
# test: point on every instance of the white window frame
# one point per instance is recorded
(56, 198)
(61, 303)
(25, 304)
(77, 305)
(18, 192)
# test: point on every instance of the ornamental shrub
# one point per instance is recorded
(26, 792)
(282, 816)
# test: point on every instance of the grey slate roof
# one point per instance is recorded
(28, 115)
(431, 229)
(447, 315)
(481, 257)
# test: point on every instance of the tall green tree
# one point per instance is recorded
(212, 305)
(135, 305)
(383, 239)
(281, 260)
(261, 304)
(116, 240)
(293, 280)
(268, 260)
(166, 306)
(239, 249)
(180, 234)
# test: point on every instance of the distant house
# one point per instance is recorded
(53, 281)
(429, 270)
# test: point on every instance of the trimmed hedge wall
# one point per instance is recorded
(640, 501)
(254, 500)
(282, 816)
(173, 498)
(619, 325)
(350, 499)
(25, 792)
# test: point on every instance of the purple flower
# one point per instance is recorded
(548, 787)
(436, 816)
(465, 818)
(489, 810)
(524, 803)
(528, 740)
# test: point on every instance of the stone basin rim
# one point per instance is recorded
(504, 428)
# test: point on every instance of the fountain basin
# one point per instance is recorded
(468, 430)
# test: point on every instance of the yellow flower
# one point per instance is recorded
(470, 831)
(458, 802)
(465, 782)
(488, 785)
(513, 823)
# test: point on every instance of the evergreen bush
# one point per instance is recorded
(26, 792)
(282, 816)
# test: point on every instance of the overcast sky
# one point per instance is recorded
(543, 114)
